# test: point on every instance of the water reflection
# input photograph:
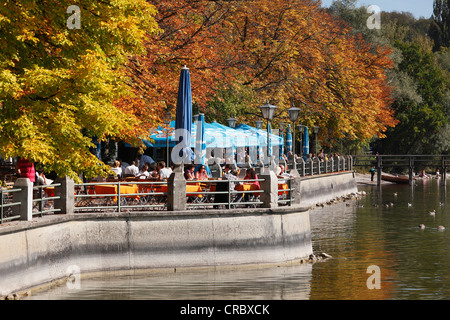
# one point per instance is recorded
(380, 229)
(270, 283)
(414, 263)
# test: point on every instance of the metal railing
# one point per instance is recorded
(404, 161)
(148, 195)
(43, 202)
(314, 167)
(234, 198)
(7, 204)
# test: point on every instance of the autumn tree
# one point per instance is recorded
(58, 85)
(300, 55)
(190, 35)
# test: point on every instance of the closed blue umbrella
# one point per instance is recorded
(200, 142)
(183, 118)
(289, 139)
(282, 144)
(306, 143)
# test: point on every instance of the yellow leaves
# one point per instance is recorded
(57, 86)
(9, 85)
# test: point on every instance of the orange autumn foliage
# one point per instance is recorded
(290, 52)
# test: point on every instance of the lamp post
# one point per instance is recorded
(316, 132)
(301, 130)
(232, 122)
(268, 112)
(293, 116)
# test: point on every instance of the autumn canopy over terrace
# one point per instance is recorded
(117, 74)
(289, 52)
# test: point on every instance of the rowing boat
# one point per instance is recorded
(396, 179)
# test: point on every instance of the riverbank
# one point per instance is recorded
(365, 179)
(47, 250)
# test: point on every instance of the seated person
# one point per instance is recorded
(251, 175)
(163, 172)
(153, 170)
(189, 173)
(201, 173)
(282, 174)
(144, 174)
(42, 180)
(230, 175)
(116, 168)
(132, 170)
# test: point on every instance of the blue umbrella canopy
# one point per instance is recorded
(183, 117)
(306, 142)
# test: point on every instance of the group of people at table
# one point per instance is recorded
(194, 175)
(149, 170)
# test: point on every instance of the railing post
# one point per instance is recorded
(66, 194)
(318, 165)
(270, 186)
(301, 167)
(444, 171)
(295, 195)
(176, 190)
(379, 168)
(309, 164)
(410, 170)
(25, 197)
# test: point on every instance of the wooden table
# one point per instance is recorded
(49, 191)
(189, 188)
(112, 189)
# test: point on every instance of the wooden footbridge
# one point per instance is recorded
(412, 163)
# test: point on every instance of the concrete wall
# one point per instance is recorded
(42, 251)
(326, 187)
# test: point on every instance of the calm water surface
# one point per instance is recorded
(414, 263)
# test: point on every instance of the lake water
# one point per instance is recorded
(412, 263)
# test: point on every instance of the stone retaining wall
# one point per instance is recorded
(35, 253)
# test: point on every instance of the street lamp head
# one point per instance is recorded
(167, 117)
(316, 129)
(293, 113)
(301, 128)
(232, 122)
(259, 124)
(268, 111)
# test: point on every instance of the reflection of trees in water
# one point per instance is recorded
(414, 263)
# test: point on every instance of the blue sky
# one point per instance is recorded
(419, 8)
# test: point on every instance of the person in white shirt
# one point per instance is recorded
(144, 174)
(117, 169)
(282, 174)
(163, 172)
(132, 170)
